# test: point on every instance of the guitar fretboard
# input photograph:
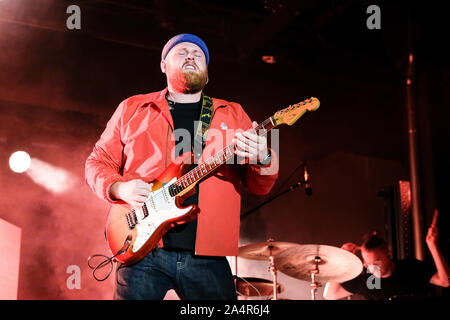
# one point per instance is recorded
(212, 163)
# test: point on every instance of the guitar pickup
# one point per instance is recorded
(131, 219)
(145, 210)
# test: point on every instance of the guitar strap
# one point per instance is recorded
(203, 126)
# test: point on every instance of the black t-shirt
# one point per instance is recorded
(184, 115)
(410, 278)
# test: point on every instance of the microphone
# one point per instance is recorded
(308, 188)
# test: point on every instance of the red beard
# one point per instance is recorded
(188, 82)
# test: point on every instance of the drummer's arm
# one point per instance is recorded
(441, 277)
(334, 291)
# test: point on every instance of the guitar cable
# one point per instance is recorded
(109, 260)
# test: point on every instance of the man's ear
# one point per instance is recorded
(163, 66)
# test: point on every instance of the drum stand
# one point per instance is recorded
(273, 271)
(315, 284)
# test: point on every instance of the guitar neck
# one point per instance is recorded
(214, 162)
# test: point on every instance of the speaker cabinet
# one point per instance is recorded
(398, 217)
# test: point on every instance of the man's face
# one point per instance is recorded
(185, 68)
(377, 261)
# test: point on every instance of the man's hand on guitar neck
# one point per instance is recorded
(133, 192)
(251, 145)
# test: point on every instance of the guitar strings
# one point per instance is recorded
(222, 156)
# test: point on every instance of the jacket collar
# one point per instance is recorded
(159, 99)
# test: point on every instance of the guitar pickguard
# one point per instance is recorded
(161, 207)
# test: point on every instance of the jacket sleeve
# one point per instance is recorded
(104, 164)
(258, 179)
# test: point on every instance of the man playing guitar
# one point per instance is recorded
(139, 143)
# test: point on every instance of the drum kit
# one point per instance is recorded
(314, 263)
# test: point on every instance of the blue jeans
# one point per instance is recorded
(192, 277)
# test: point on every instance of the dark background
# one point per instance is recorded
(58, 88)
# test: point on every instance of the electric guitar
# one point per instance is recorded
(132, 233)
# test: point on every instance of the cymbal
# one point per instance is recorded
(261, 250)
(255, 287)
(336, 264)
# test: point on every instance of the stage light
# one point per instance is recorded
(269, 59)
(19, 161)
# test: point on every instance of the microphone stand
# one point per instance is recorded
(291, 188)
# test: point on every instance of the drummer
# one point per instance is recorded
(384, 278)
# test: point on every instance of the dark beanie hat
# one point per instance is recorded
(185, 37)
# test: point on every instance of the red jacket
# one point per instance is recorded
(137, 144)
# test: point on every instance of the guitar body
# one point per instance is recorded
(138, 231)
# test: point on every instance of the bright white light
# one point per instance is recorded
(19, 161)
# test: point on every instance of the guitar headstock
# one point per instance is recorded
(292, 113)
